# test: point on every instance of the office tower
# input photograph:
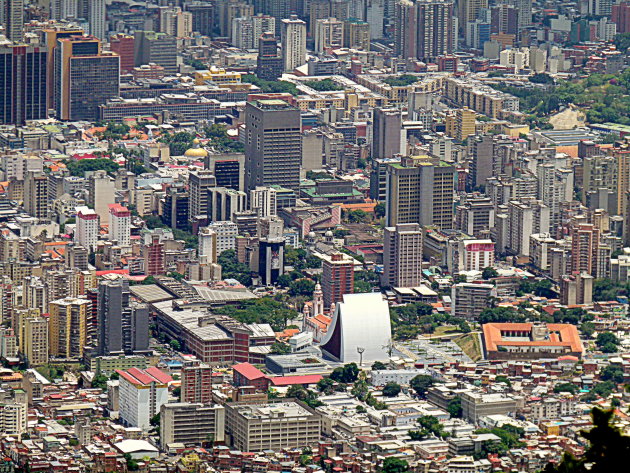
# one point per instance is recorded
(34, 340)
(621, 17)
(293, 43)
(23, 79)
(328, 34)
(386, 127)
(68, 327)
(576, 289)
(102, 193)
(424, 29)
(122, 326)
(203, 15)
(584, 248)
(270, 249)
(475, 216)
(337, 277)
(264, 201)
(97, 19)
(141, 395)
(120, 224)
(555, 187)
(269, 65)
(207, 251)
(481, 152)
(402, 255)
(156, 48)
(153, 255)
(196, 382)
(469, 300)
(123, 45)
(36, 201)
(175, 213)
(64, 9)
(356, 34)
(191, 423)
(85, 77)
(227, 10)
(504, 20)
(50, 37)
(200, 183)
(622, 156)
(599, 183)
(421, 190)
(223, 203)
(273, 144)
(87, 229)
(13, 13)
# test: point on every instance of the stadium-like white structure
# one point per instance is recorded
(360, 323)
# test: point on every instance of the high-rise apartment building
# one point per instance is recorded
(468, 12)
(328, 34)
(293, 43)
(97, 19)
(13, 16)
(196, 382)
(101, 194)
(424, 29)
(87, 228)
(356, 34)
(123, 45)
(620, 15)
(203, 15)
(207, 252)
(175, 22)
(69, 329)
(226, 233)
(402, 255)
(34, 342)
(273, 144)
(420, 190)
(123, 326)
(156, 48)
(153, 255)
(23, 79)
(120, 224)
(584, 248)
(525, 217)
(85, 77)
(337, 277)
(264, 201)
(36, 201)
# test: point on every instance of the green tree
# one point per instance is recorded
(325, 385)
(175, 345)
(391, 389)
(421, 384)
(302, 287)
(489, 273)
(565, 388)
(346, 374)
(233, 269)
(395, 465)
(454, 407)
(607, 342)
(279, 348)
(613, 373)
(608, 448)
(379, 210)
(378, 366)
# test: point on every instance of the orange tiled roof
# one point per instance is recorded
(560, 334)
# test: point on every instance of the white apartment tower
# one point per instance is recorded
(293, 43)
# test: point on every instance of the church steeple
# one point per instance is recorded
(318, 300)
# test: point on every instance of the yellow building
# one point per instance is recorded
(464, 123)
(34, 340)
(218, 76)
(68, 321)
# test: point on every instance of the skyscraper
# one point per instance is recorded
(196, 382)
(23, 79)
(36, 201)
(51, 35)
(402, 255)
(87, 229)
(421, 190)
(85, 77)
(293, 43)
(584, 248)
(156, 48)
(97, 19)
(424, 29)
(13, 12)
(273, 144)
(269, 65)
(123, 326)
(120, 224)
(328, 34)
(386, 127)
(337, 277)
(68, 327)
(123, 45)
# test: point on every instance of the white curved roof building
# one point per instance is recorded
(360, 321)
